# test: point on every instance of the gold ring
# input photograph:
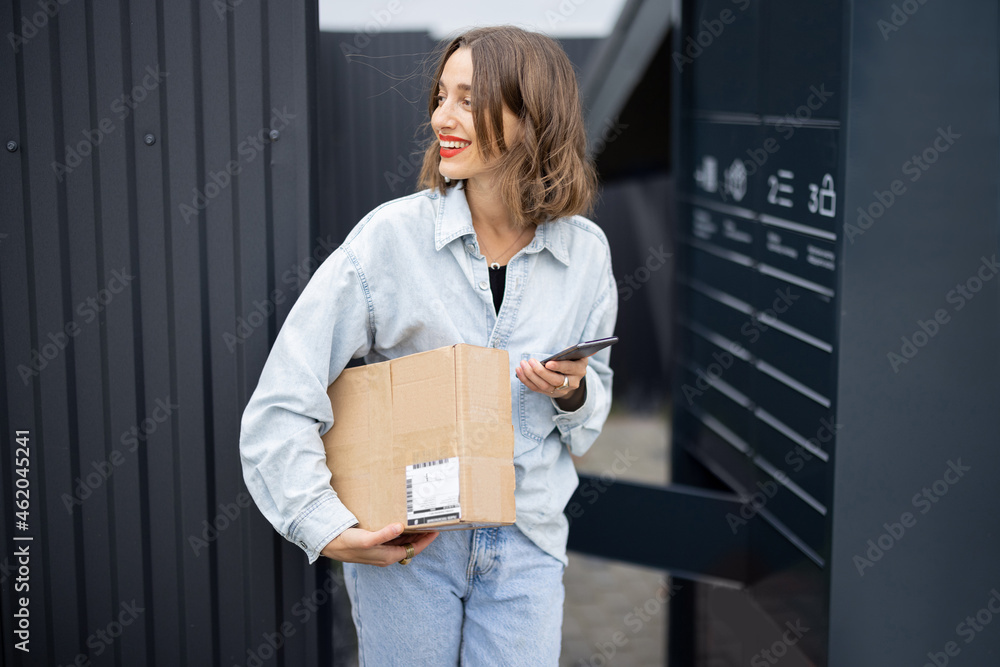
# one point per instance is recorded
(409, 554)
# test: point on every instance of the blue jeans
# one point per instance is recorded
(487, 596)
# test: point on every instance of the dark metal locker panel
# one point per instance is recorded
(158, 199)
(882, 362)
(923, 90)
(747, 254)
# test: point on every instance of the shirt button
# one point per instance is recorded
(471, 248)
(483, 285)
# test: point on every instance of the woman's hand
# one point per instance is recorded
(550, 378)
(382, 547)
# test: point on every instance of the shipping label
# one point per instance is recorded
(432, 492)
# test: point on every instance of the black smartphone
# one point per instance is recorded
(581, 350)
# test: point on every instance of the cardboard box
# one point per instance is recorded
(425, 440)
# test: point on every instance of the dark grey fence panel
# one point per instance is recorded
(158, 215)
(372, 101)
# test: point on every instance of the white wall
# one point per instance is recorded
(559, 18)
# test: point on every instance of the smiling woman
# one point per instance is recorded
(473, 258)
(532, 127)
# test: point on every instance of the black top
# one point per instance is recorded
(498, 279)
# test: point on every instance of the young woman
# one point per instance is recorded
(493, 252)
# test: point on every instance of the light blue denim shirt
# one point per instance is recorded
(410, 277)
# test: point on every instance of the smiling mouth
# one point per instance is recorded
(452, 146)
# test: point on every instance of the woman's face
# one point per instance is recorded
(452, 121)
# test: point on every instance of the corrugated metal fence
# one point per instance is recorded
(140, 287)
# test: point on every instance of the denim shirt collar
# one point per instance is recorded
(454, 220)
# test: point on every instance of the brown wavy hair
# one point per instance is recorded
(545, 174)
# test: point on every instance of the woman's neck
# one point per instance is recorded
(493, 223)
(488, 210)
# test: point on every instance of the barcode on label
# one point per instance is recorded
(417, 466)
(432, 491)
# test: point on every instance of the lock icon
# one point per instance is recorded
(823, 200)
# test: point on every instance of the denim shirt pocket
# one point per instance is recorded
(534, 412)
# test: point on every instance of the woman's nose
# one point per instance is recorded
(443, 116)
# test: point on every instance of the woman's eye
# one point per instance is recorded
(467, 102)
(440, 100)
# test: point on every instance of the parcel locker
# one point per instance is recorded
(828, 244)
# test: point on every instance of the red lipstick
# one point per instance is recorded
(451, 152)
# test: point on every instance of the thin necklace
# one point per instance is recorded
(494, 264)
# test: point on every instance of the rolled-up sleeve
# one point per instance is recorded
(579, 429)
(284, 463)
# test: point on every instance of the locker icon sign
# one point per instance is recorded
(823, 200)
